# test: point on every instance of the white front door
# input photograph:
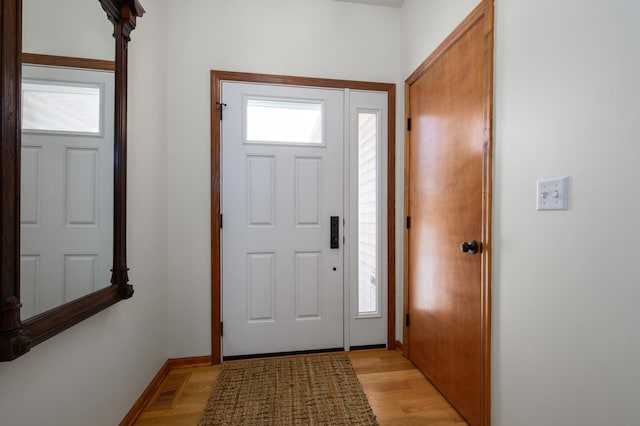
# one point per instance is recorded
(282, 182)
(66, 207)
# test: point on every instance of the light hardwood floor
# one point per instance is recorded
(398, 393)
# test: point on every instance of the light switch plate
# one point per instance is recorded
(553, 194)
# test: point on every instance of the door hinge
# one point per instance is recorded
(221, 329)
(408, 124)
(406, 320)
(408, 222)
(220, 105)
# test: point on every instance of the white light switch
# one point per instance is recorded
(553, 194)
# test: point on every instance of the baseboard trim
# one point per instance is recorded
(146, 397)
(399, 345)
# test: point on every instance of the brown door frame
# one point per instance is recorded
(483, 12)
(216, 285)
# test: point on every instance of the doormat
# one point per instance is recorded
(306, 390)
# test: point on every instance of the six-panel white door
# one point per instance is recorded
(282, 180)
(66, 189)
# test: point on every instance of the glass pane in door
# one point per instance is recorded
(368, 294)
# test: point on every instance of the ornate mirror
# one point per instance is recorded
(63, 169)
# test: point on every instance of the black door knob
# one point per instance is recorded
(472, 247)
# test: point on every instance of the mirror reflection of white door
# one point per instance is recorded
(282, 180)
(66, 185)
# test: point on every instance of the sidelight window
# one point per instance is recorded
(368, 274)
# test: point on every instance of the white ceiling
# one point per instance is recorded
(387, 3)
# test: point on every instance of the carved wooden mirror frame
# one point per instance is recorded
(16, 336)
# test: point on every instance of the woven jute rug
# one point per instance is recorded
(309, 390)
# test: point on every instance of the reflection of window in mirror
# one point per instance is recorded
(61, 106)
(66, 185)
(66, 232)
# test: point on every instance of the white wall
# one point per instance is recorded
(294, 37)
(425, 24)
(46, 30)
(566, 287)
(93, 372)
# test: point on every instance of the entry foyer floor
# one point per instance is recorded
(398, 393)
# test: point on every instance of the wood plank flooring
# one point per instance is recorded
(398, 393)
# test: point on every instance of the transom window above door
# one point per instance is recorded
(283, 121)
(61, 107)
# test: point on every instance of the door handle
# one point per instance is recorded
(472, 247)
(335, 232)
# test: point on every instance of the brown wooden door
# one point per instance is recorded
(448, 189)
